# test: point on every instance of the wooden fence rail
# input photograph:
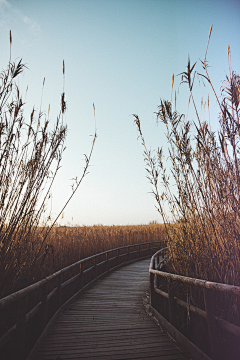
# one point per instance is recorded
(214, 323)
(55, 293)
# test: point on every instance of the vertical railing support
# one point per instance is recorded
(139, 251)
(21, 328)
(95, 266)
(82, 275)
(118, 253)
(188, 310)
(79, 278)
(128, 253)
(152, 292)
(212, 324)
(107, 258)
(59, 290)
(171, 303)
(44, 304)
(149, 248)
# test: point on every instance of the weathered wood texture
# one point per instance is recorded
(109, 322)
(212, 340)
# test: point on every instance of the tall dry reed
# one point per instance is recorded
(31, 151)
(204, 227)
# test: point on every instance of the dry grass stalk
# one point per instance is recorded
(203, 228)
(30, 157)
(204, 233)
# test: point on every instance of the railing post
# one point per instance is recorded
(171, 303)
(82, 275)
(149, 248)
(128, 253)
(59, 290)
(188, 310)
(107, 256)
(95, 266)
(152, 292)
(79, 278)
(44, 304)
(118, 253)
(212, 324)
(21, 328)
(139, 251)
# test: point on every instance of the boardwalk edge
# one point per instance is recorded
(178, 336)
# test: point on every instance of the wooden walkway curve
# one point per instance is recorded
(108, 321)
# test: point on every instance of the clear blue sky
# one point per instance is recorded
(121, 56)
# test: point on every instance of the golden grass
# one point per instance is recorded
(66, 245)
(31, 151)
(204, 229)
(71, 244)
(197, 192)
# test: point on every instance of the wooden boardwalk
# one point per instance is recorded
(109, 322)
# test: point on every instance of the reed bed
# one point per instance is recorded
(197, 192)
(31, 150)
(66, 245)
(201, 187)
(74, 243)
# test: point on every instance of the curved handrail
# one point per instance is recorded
(231, 289)
(31, 288)
(209, 288)
(86, 271)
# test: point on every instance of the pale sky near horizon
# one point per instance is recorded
(121, 56)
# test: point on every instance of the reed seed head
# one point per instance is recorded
(228, 51)
(10, 37)
(63, 68)
(94, 109)
(172, 79)
(210, 31)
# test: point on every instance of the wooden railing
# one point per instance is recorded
(160, 280)
(36, 307)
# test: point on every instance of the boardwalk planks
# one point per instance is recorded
(109, 322)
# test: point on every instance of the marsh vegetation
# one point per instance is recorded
(31, 150)
(201, 187)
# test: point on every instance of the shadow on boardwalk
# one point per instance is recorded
(109, 321)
